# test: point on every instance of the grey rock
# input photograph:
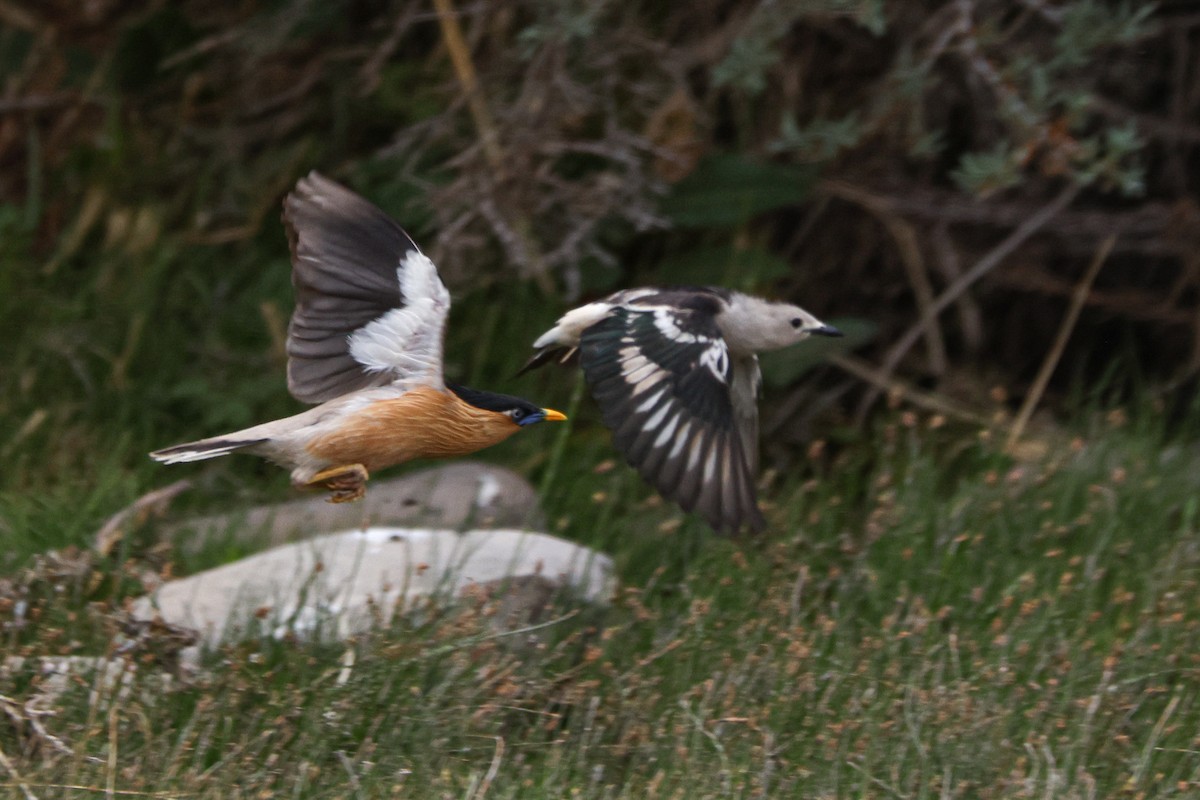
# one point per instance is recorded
(332, 586)
(461, 495)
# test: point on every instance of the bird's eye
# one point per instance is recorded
(517, 413)
(797, 322)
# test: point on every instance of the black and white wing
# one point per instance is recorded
(370, 306)
(662, 375)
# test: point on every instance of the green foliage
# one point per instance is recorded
(560, 23)
(821, 139)
(729, 189)
(1046, 104)
(1110, 160)
(1089, 26)
(757, 49)
(723, 265)
(984, 173)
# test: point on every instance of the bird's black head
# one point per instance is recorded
(522, 412)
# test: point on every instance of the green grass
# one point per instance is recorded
(926, 618)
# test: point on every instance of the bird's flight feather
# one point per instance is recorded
(370, 307)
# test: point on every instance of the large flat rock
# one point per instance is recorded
(460, 495)
(337, 584)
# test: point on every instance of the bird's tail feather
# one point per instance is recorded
(205, 448)
(564, 355)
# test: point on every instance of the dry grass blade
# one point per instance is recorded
(20, 782)
(492, 771)
(485, 125)
(1060, 342)
(464, 70)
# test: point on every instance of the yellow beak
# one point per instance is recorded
(553, 416)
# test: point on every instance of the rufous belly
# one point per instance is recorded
(422, 423)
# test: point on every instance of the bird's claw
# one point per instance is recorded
(346, 483)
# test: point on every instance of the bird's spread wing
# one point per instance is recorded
(370, 307)
(662, 376)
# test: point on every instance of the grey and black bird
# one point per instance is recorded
(675, 373)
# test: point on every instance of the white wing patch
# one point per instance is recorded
(408, 340)
(664, 320)
(715, 359)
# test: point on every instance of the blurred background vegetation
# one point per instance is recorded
(937, 177)
(996, 199)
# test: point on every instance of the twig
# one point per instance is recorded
(926, 400)
(892, 790)
(17, 17)
(982, 267)
(1064, 333)
(39, 102)
(348, 765)
(1129, 303)
(464, 69)
(369, 73)
(1139, 772)
(492, 771)
(79, 787)
(136, 513)
(910, 256)
(1165, 129)
(11, 770)
(1145, 229)
(111, 770)
(970, 317)
(25, 713)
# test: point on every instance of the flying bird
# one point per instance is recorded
(675, 373)
(365, 343)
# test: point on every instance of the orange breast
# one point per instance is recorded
(423, 423)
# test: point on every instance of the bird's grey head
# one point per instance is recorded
(753, 325)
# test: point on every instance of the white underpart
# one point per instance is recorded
(408, 340)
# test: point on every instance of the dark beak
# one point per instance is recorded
(825, 330)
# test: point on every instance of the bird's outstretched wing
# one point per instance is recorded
(370, 306)
(662, 375)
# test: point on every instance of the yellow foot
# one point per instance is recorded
(348, 482)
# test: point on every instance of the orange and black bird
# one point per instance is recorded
(675, 373)
(365, 342)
